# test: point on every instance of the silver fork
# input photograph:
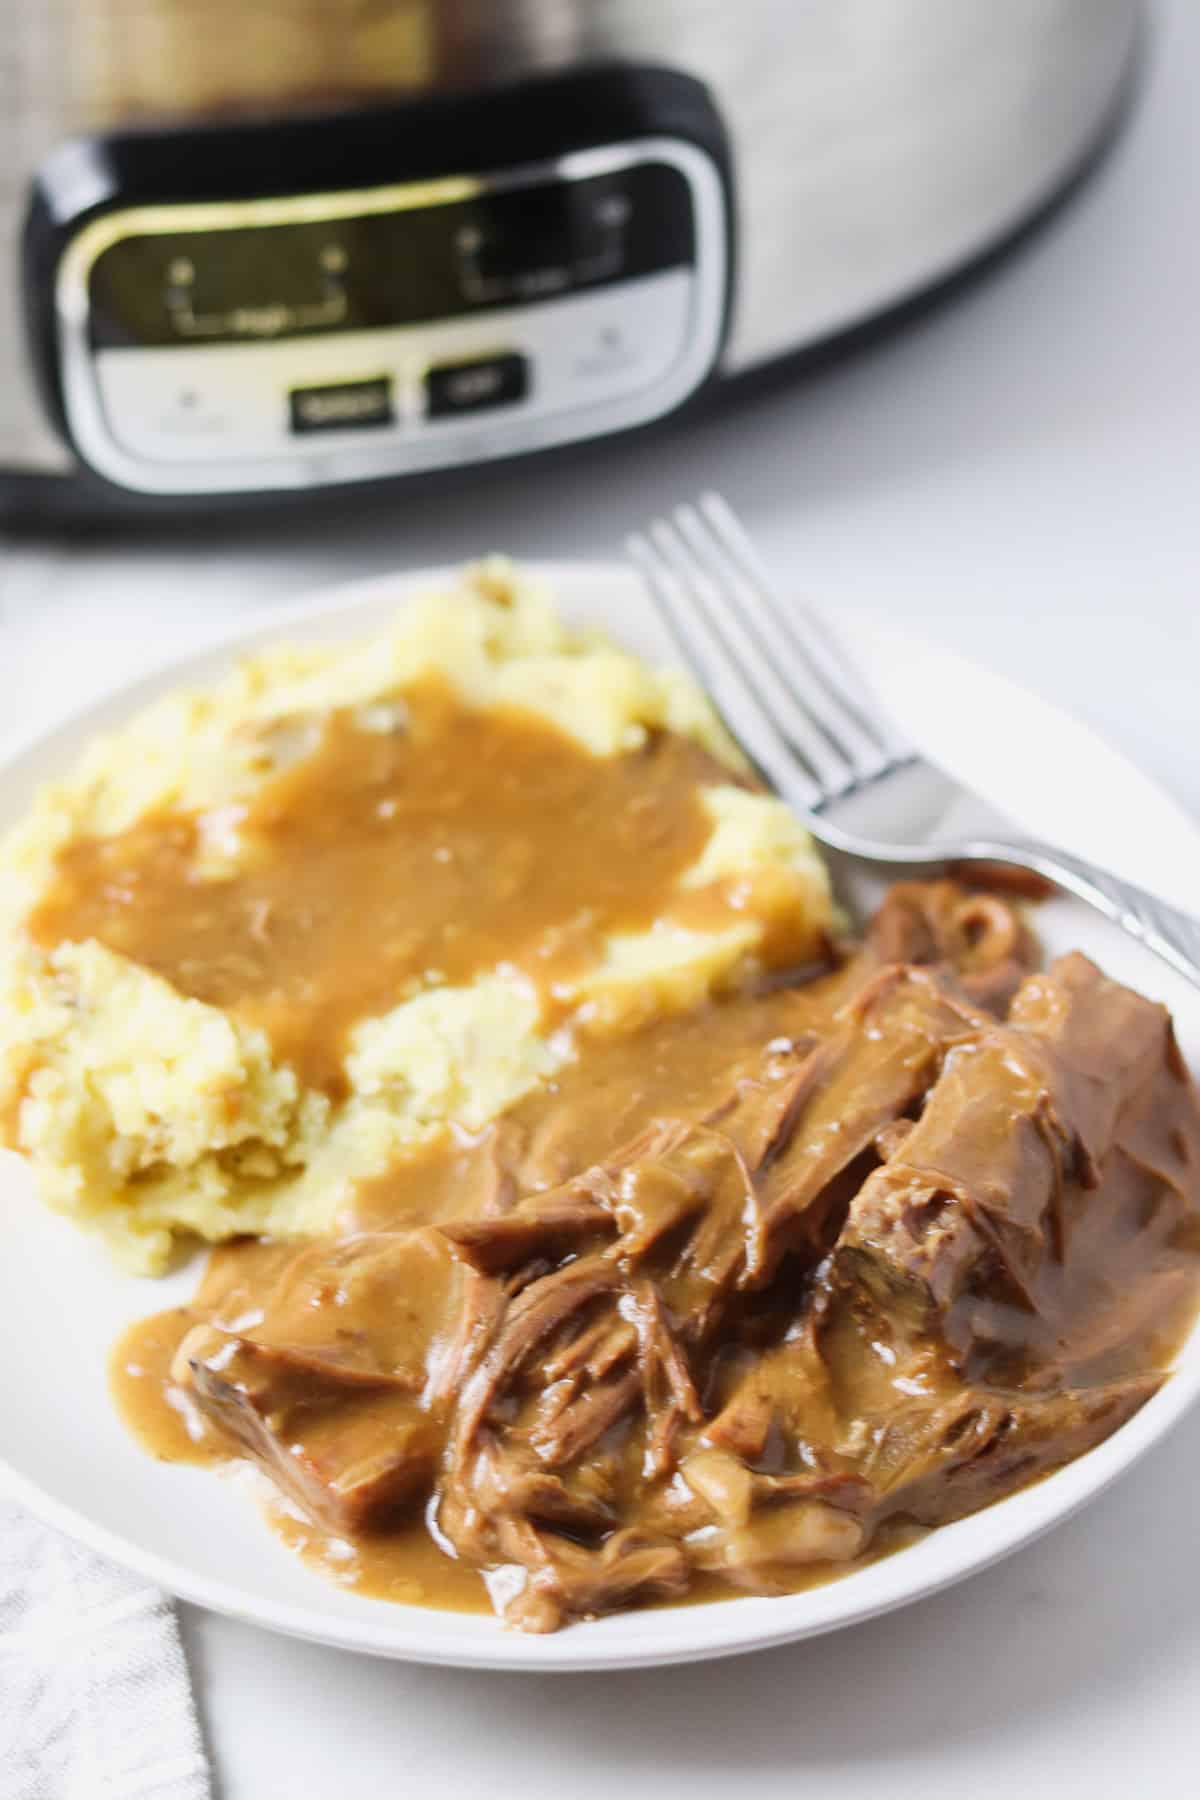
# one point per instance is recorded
(810, 723)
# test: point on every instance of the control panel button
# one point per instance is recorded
(469, 387)
(342, 405)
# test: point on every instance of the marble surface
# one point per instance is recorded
(1015, 474)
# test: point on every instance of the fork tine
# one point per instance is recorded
(701, 581)
(807, 632)
(691, 629)
(803, 694)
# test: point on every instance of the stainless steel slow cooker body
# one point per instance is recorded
(311, 242)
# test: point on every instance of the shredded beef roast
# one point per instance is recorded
(915, 1254)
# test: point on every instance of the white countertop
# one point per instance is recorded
(1016, 474)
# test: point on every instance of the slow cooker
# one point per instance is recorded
(291, 244)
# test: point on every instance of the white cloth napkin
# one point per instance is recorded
(95, 1700)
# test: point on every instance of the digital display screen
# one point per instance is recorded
(245, 284)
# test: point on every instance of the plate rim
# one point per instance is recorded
(734, 1626)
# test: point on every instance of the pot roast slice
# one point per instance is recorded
(996, 1303)
(969, 1223)
(335, 1391)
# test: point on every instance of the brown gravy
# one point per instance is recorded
(406, 1565)
(614, 1088)
(481, 838)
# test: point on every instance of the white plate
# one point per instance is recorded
(62, 1304)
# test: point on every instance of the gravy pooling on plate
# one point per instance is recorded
(731, 1304)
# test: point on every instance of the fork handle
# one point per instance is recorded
(1170, 933)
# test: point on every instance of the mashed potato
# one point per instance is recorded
(146, 1113)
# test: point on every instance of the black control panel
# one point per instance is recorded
(243, 284)
(278, 303)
